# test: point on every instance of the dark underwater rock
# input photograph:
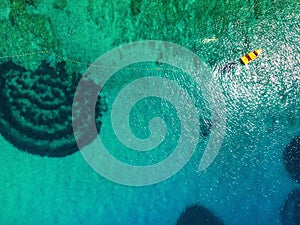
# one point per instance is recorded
(228, 67)
(291, 158)
(198, 215)
(135, 7)
(206, 128)
(290, 212)
(36, 109)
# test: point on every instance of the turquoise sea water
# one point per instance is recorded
(247, 183)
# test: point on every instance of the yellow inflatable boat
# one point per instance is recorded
(250, 56)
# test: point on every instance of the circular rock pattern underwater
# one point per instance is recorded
(36, 109)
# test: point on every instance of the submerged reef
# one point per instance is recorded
(290, 212)
(198, 215)
(291, 158)
(36, 109)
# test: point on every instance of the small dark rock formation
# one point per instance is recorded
(36, 109)
(290, 212)
(206, 128)
(198, 215)
(228, 67)
(291, 158)
(135, 7)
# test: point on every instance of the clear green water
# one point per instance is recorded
(247, 182)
